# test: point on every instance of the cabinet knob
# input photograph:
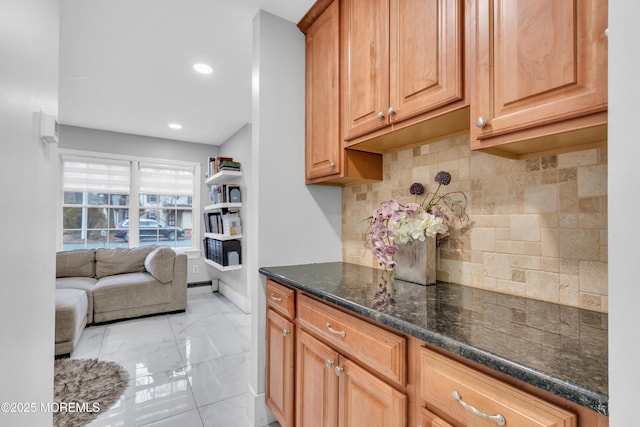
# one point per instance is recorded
(481, 122)
(329, 363)
(332, 165)
(606, 32)
(391, 111)
(339, 370)
(381, 115)
(286, 332)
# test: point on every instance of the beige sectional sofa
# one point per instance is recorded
(118, 283)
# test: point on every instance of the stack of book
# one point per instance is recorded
(225, 193)
(225, 253)
(225, 222)
(217, 164)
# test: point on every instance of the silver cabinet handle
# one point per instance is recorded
(333, 331)
(286, 332)
(381, 115)
(481, 122)
(329, 363)
(391, 111)
(339, 370)
(275, 298)
(499, 419)
(332, 165)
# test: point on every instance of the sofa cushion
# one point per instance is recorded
(121, 260)
(160, 263)
(84, 283)
(71, 314)
(76, 263)
(129, 290)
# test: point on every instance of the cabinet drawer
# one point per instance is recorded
(377, 348)
(282, 299)
(442, 377)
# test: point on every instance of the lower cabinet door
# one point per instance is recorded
(429, 419)
(316, 383)
(280, 368)
(366, 401)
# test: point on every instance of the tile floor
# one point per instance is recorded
(188, 369)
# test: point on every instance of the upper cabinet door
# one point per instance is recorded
(365, 65)
(426, 61)
(323, 140)
(538, 62)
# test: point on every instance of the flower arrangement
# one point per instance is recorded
(394, 223)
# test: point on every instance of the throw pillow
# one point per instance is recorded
(160, 263)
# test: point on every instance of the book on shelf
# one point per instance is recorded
(225, 193)
(219, 163)
(225, 222)
(225, 253)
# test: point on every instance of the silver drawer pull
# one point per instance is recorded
(275, 298)
(499, 419)
(333, 331)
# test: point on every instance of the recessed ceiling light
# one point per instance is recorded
(175, 126)
(203, 68)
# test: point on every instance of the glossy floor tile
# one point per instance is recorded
(188, 369)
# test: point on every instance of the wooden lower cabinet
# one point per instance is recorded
(327, 367)
(280, 368)
(429, 419)
(316, 384)
(335, 391)
(366, 401)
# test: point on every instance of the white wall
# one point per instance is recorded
(290, 223)
(233, 284)
(28, 83)
(624, 205)
(79, 138)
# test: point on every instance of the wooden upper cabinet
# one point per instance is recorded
(400, 59)
(365, 50)
(326, 160)
(425, 56)
(323, 147)
(541, 70)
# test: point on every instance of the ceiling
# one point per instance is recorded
(126, 65)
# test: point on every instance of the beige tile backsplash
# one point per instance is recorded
(538, 227)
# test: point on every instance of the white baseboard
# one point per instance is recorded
(234, 296)
(200, 290)
(258, 411)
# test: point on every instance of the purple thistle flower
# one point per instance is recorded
(443, 178)
(416, 188)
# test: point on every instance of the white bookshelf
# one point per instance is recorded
(223, 236)
(218, 206)
(221, 267)
(223, 177)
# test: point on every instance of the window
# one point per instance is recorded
(126, 203)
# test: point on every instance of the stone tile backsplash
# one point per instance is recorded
(538, 227)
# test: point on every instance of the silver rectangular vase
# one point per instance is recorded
(416, 262)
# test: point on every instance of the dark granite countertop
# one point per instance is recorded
(556, 348)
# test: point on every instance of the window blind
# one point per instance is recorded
(166, 179)
(97, 175)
